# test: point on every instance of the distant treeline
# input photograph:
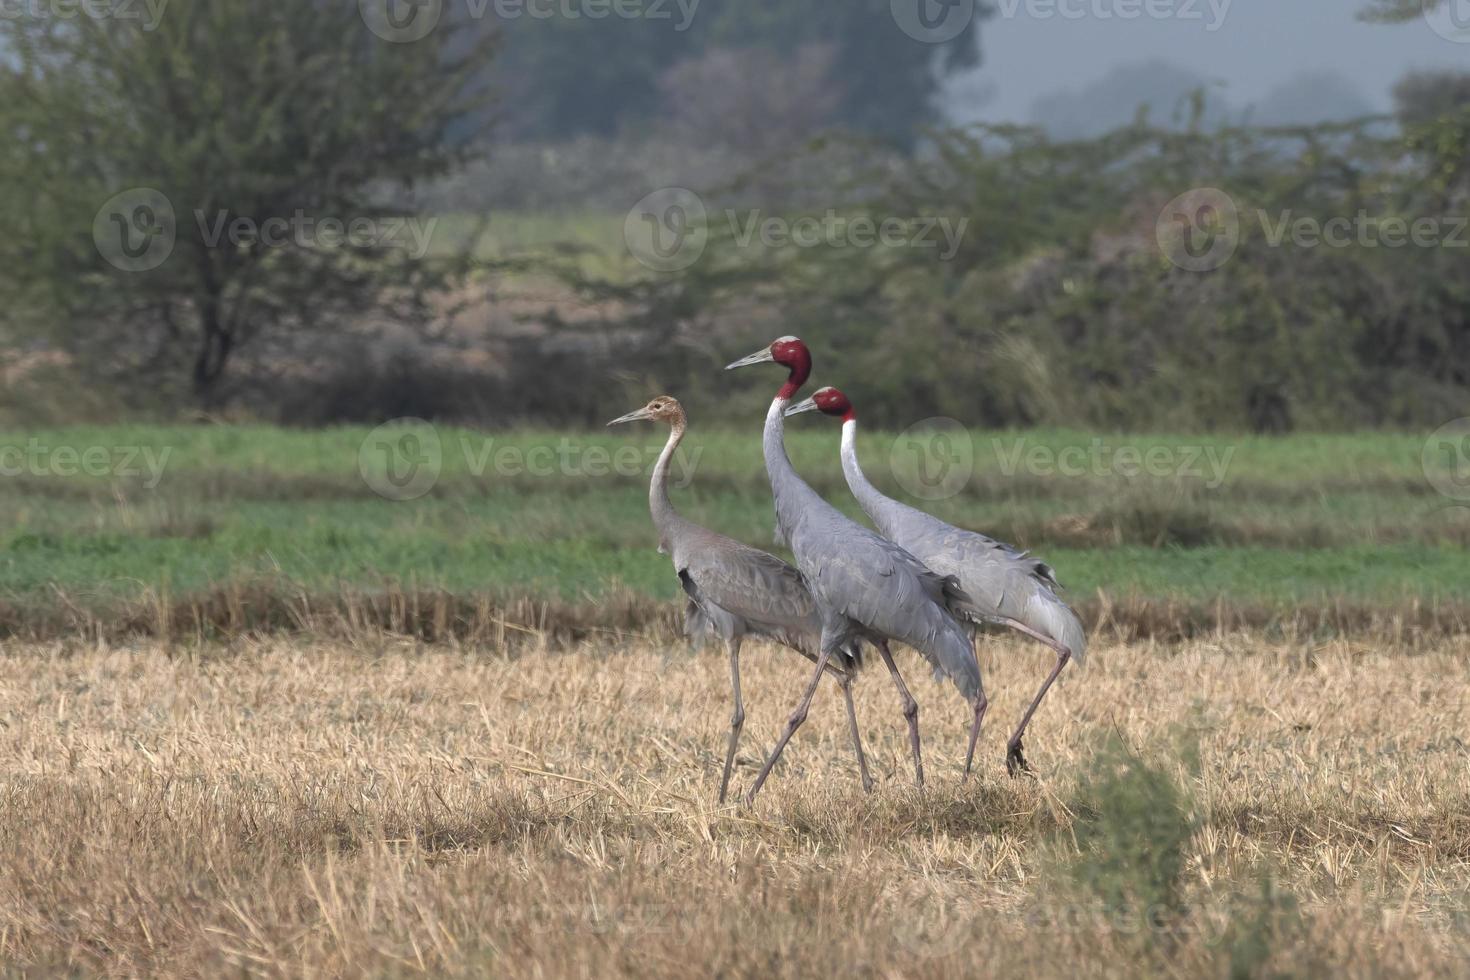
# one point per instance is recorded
(1184, 278)
(1261, 280)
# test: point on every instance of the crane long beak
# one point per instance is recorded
(763, 356)
(639, 416)
(810, 405)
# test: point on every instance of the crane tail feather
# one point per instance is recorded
(1054, 618)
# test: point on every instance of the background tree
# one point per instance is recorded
(751, 102)
(170, 181)
(1396, 11)
(562, 79)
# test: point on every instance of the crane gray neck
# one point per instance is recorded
(874, 504)
(786, 485)
(773, 441)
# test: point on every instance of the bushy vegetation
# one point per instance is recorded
(1032, 282)
(1336, 298)
(1133, 832)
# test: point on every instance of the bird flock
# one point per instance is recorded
(915, 580)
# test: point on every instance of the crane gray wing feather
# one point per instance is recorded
(875, 582)
(1000, 580)
(733, 588)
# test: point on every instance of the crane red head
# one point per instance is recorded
(790, 353)
(828, 401)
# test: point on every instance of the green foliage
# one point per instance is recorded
(225, 111)
(1133, 829)
(1260, 927)
(1134, 825)
(1060, 304)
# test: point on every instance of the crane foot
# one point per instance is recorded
(1016, 761)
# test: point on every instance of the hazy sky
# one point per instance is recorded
(1031, 50)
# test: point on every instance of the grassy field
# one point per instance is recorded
(381, 808)
(223, 751)
(93, 517)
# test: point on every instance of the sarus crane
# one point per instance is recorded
(865, 586)
(1007, 586)
(735, 591)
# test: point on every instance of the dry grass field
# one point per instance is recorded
(332, 808)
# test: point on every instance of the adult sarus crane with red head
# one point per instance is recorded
(865, 586)
(1006, 586)
(735, 591)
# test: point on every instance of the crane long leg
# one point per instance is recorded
(1015, 760)
(857, 739)
(793, 723)
(737, 720)
(980, 703)
(910, 712)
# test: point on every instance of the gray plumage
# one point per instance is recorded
(734, 591)
(1001, 585)
(866, 585)
(1003, 582)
